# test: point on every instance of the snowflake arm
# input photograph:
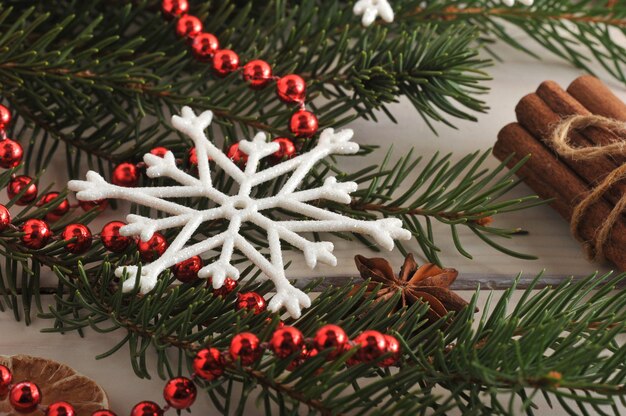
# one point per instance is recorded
(329, 143)
(511, 3)
(96, 188)
(370, 9)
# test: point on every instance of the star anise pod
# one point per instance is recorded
(427, 283)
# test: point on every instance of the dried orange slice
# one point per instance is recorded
(57, 382)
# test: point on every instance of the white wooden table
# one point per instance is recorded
(549, 237)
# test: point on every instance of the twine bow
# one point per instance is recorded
(561, 144)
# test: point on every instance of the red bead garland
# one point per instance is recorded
(245, 347)
(5, 217)
(11, 153)
(187, 271)
(83, 237)
(180, 393)
(153, 248)
(19, 183)
(208, 364)
(60, 409)
(257, 73)
(25, 397)
(146, 408)
(36, 233)
(101, 204)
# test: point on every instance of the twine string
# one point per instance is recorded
(562, 145)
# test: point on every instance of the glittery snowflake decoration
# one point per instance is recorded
(240, 208)
(371, 9)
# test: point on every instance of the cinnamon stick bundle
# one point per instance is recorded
(567, 179)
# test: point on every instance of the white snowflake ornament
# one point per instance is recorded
(240, 208)
(371, 9)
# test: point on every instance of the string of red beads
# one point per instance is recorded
(257, 73)
(210, 363)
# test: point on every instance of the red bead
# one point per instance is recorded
(188, 26)
(208, 364)
(174, 8)
(257, 73)
(291, 88)
(153, 248)
(236, 155)
(303, 124)
(61, 209)
(5, 117)
(187, 270)
(286, 341)
(331, 336)
(103, 412)
(393, 348)
(372, 344)
(36, 233)
(251, 301)
(17, 184)
(287, 150)
(25, 397)
(225, 61)
(60, 409)
(101, 204)
(82, 235)
(111, 238)
(5, 217)
(204, 46)
(245, 346)
(159, 151)
(227, 287)
(5, 381)
(180, 393)
(125, 174)
(11, 153)
(146, 408)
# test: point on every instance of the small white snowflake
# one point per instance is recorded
(370, 9)
(511, 3)
(240, 208)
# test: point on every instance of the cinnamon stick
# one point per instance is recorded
(552, 179)
(597, 97)
(539, 119)
(562, 103)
